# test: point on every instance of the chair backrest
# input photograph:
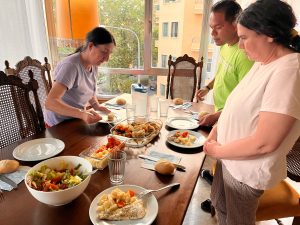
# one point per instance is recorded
(47, 67)
(8, 70)
(293, 162)
(39, 73)
(182, 77)
(19, 118)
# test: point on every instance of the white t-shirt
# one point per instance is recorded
(81, 86)
(274, 87)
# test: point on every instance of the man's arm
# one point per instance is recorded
(203, 91)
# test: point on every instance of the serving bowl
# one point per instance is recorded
(60, 197)
(98, 155)
(137, 131)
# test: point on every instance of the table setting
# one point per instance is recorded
(135, 171)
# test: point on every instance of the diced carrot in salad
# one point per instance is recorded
(48, 179)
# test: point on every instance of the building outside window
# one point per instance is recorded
(164, 61)
(165, 32)
(174, 29)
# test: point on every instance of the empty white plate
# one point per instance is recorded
(182, 123)
(38, 149)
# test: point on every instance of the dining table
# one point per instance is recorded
(20, 207)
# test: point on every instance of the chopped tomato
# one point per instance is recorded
(121, 204)
(55, 180)
(185, 134)
(101, 149)
(131, 193)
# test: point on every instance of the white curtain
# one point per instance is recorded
(23, 31)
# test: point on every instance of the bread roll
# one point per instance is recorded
(178, 101)
(164, 167)
(121, 101)
(8, 166)
(110, 116)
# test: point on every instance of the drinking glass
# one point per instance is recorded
(163, 107)
(130, 110)
(153, 103)
(116, 165)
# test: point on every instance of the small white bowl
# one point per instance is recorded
(62, 197)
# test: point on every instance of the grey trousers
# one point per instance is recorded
(235, 202)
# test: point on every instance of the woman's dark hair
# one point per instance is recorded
(230, 8)
(273, 18)
(98, 36)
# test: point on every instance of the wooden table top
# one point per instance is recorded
(19, 207)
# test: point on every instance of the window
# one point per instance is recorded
(174, 29)
(162, 90)
(208, 65)
(165, 29)
(142, 49)
(164, 61)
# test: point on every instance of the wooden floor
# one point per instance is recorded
(195, 215)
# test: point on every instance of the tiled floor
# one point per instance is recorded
(195, 215)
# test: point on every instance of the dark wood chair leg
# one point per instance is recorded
(296, 220)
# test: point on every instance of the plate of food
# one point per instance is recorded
(38, 149)
(137, 131)
(119, 205)
(185, 139)
(109, 117)
(186, 123)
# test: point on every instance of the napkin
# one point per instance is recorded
(148, 164)
(185, 105)
(17, 176)
(114, 106)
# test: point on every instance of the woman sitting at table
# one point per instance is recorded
(261, 119)
(76, 78)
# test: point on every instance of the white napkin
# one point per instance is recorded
(149, 164)
(17, 176)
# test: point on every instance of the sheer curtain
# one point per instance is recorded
(23, 31)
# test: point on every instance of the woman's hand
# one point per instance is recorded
(90, 116)
(211, 148)
(103, 109)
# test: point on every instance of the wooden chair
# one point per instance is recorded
(19, 117)
(283, 200)
(39, 73)
(182, 78)
(9, 71)
(48, 69)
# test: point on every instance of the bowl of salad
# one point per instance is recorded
(59, 180)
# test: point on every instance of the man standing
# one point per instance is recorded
(232, 66)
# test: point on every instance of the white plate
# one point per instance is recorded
(200, 139)
(185, 123)
(151, 208)
(117, 118)
(38, 149)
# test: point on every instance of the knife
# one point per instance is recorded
(8, 181)
(178, 166)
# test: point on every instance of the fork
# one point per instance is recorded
(144, 193)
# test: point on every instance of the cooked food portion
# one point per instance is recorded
(98, 157)
(178, 101)
(51, 179)
(184, 138)
(136, 129)
(121, 101)
(120, 205)
(164, 167)
(110, 116)
(8, 166)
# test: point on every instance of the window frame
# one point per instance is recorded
(165, 29)
(174, 30)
